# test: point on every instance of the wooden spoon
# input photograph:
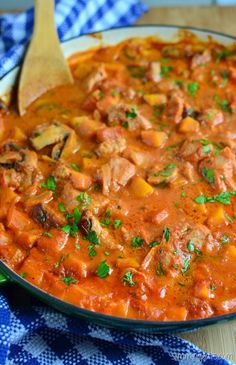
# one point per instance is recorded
(44, 66)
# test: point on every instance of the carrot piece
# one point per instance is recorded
(18, 220)
(80, 181)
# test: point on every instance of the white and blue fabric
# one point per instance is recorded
(32, 333)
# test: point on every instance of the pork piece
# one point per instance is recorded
(116, 173)
(189, 172)
(212, 117)
(139, 158)
(48, 134)
(165, 174)
(123, 113)
(200, 59)
(90, 223)
(175, 107)
(19, 167)
(95, 78)
(111, 147)
(199, 307)
(223, 167)
(69, 196)
(194, 150)
(109, 133)
(47, 216)
(64, 173)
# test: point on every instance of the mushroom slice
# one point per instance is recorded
(71, 146)
(48, 134)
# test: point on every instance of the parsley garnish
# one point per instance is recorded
(191, 246)
(153, 244)
(223, 198)
(167, 171)
(68, 280)
(75, 167)
(166, 233)
(62, 259)
(224, 239)
(137, 241)
(117, 223)
(209, 175)
(185, 264)
(165, 70)
(192, 88)
(50, 184)
(47, 234)
(77, 215)
(93, 237)
(224, 104)
(92, 251)
(223, 54)
(23, 274)
(128, 279)
(132, 114)
(160, 269)
(84, 198)
(103, 269)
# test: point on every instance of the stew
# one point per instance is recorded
(117, 193)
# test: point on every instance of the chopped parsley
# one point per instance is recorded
(128, 279)
(84, 199)
(77, 215)
(93, 237)
(166, 172)
(193, 88)
(71, 229)
(223, 54)
(103, 269)
(66, 228)
(190, 246)
(47, 234)
(206, 149)
(132, 114)
(185, 264)
(137, 241)
(125, 125)
(75, 167)
(166, 233)
(224, 104)
(160, 269)
(224, 239)
(62, 259)
(49, 184)
(92, 251)
(154, 244)
(68, 280)
(209, 175)
(230, 219)
(165, 70)
(223, 198)
(62, 208)
(117, 223)
(23, 274)
(105, 222)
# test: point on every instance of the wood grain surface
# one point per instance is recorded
(218, 339)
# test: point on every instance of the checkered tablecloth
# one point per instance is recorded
(32, 333)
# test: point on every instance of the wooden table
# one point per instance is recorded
(217, 339)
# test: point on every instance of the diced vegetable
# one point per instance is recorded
(154, 138)
(189, 125)
(140, 188)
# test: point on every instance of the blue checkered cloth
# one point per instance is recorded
(32, 333)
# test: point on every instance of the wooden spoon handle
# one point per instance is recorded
(44, 24)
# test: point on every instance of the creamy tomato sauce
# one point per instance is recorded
(117, 193)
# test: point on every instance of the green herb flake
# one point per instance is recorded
(62, 208)
(62, 259)
(132, 114)
(193, 88)
(128, 279)
(125, 125)
(185, 264)
(47, 234)
(230, 219)
(75, 167)
(154, 244)
(84, 199)
(50, 184)
(224, 239)
(105, 222)
(117, 223)
(137, 241)
(92, 251)
(66, 228)
(165, 70)
(166, 233)
(160, 269)
(222, 55)
(206, 149)
(23, 274)
(190, 246)
(212, 287)
(68, 280)
(223, 198)
(103, 269)
(106, 253)
(77, 215)
(93, 237)
(209, 175)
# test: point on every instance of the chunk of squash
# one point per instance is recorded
(189, 125)
(153, 138)
(217, 217)
(140, 188)
(155, 99)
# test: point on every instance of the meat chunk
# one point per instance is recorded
(116, 173)
(47, 216)
(111, 147)
(175, 108)
(224, 169)
(154, 71)
(194, 151)
(200, 59)
(95, 78)
(48, 134)
(212, 117)
(110, 133)
(63, 173)
(123, 113)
